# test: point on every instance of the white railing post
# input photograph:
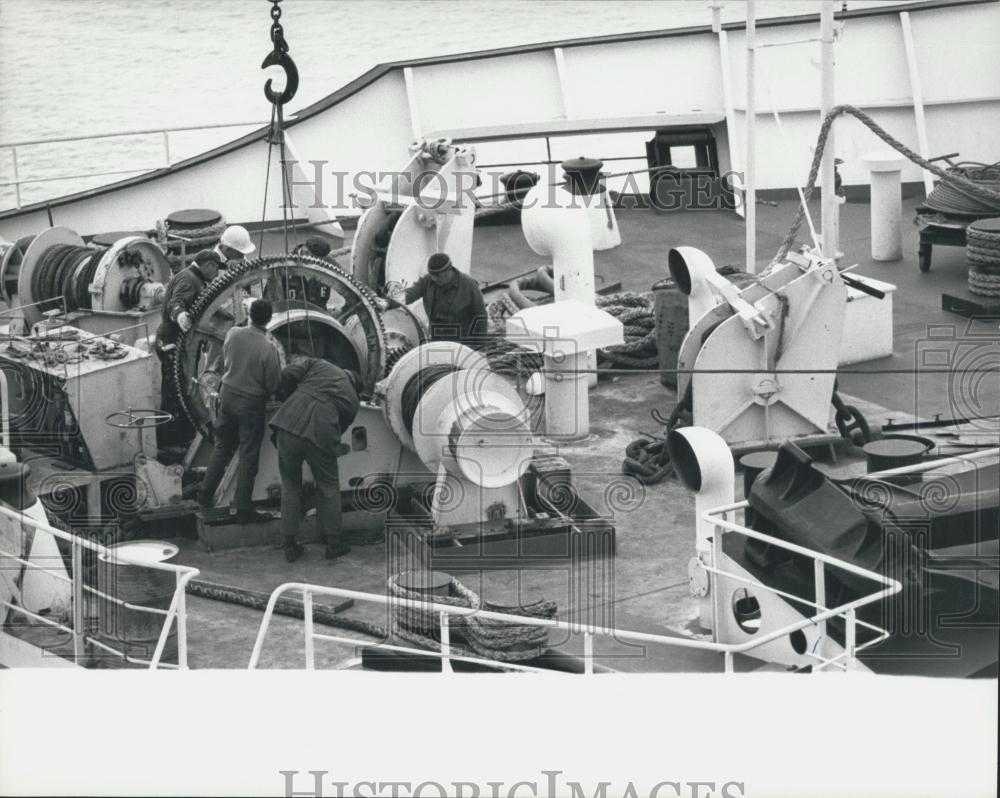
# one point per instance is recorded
(17, 179)
(830, 210)
(4, 409)
(850, 639)
(307, 614)
(728, 656)
(750, 156)
(445, 644)
(166, 148)
(819, 576)
(181, 620)
(79, 616)
(588, 653)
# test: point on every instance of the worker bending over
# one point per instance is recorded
(321, 401)
(252, 371)
(452, 300)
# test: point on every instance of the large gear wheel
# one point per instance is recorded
(318, 310)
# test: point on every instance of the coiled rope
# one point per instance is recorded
(633, 310)
(955, 200)
(983, 256)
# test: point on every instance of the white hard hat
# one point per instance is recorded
(236, 237)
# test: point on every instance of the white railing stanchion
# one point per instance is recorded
(17, 179)
(181, 620)
(850, 639)
(819, 576)
(79, 590)
(728, 659)
(79, 616)
(166, 148)
(307, 615)
(588, 653)
(445, 644)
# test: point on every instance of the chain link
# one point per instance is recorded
(277, 32)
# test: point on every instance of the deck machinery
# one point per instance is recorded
(442, 447)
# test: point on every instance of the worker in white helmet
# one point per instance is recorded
(235, 244)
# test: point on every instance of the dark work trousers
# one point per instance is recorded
(293, 450)
(239, 425)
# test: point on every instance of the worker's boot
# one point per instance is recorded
(336, 548)
(293, 549)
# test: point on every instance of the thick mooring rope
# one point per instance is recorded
(489, 639)
(956, 180)
(633, 310)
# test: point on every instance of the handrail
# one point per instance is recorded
(444, 611)
(175, 613)
(18, 181)
(117, 134)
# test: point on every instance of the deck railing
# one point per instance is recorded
(164, 133)
(719, 516)
(176, 613)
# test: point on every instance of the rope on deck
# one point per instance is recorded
(955, 179)
(634, 310)
(488, 639)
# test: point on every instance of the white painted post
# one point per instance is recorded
(17, 179)
(819, 577)
(181, 621)
(79, 610)
(445, 644)
(307, 617)
(727, 101)
(886, 205)
(567, 403)
(411, 101)
(567, 103)
(830, 209)
(166, 148)
(918, 95)
(750, 165)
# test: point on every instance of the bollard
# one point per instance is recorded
(886, 205)
(564, 333)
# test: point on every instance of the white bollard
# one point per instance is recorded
(886, 205)
(565, 333)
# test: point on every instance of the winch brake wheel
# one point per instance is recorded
(319, 310)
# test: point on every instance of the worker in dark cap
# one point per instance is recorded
(452, 300)
(182, 291)
(320, 403)
(315, 246)
(252, 371)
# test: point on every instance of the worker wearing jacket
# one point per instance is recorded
(252, 372)
(320, 403)
(453, 303)
(182, 290)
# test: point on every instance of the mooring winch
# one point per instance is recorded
(97, 289)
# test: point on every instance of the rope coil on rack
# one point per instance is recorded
(983, 256)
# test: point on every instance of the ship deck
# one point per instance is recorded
(649, 588)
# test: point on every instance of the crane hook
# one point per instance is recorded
(280, 57)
